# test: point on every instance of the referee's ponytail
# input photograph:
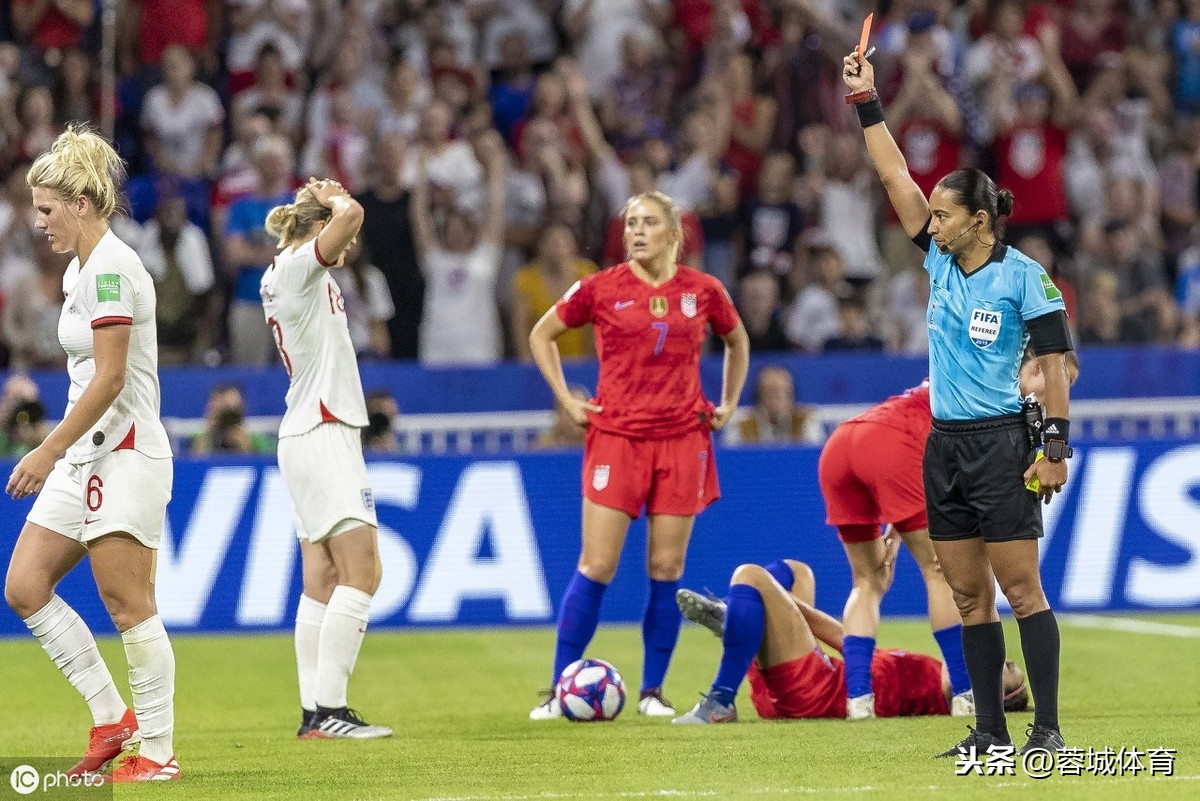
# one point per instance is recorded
(978, 192)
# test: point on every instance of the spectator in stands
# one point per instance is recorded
(771, 220)
(638, 96)
(76, 89)
(1031, 127)
(599, 29)
(849, 207)
(1005, 48)
(248, 249)
(448, 162)
(856, 333)
(349, 95)
(1093, 37)
(46, 27)
(498, 18)
(225, 429)
(181, 119)
(175, 253)
(1141, 281)
(22, 415)
(146, 28)
(380, 434)
(540, 284)
(752, 122)
(1187, 293)
(368, 303)
(511, 93)
(387, 236)
(237, 176)
(16, 230)
(1100, 319)
(563, 432)
(906, 306)
(406, 95)
(31, 313)
(253, 23)
(38, 128)
(270, 95)
(776, 417)
(758, 305)
(1181, 39)
(461, 267)
(808, 78)
(812, 316)
(339, 147)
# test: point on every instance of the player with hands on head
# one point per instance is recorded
(320, 452)
(649, 428)
(986, 300)
(103, 476)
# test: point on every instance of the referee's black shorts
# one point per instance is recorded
(974, 475)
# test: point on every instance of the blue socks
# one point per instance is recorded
(578, 615)
(744, 624)
(857, 651)
(949, 640)
(782, 572)
(660, 632)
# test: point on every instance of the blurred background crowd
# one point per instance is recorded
(514, 130)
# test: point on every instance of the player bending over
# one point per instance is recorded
(771, 631)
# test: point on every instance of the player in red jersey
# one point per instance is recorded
(648, 428)
(774, 636)
(870, 476)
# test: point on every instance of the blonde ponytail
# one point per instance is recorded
(80, 163)
(291, 222)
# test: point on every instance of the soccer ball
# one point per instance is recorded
(590, 689)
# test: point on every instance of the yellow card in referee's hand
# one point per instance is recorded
(1034, 484)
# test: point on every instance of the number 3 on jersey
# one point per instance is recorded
(336, 302)
(661, 328)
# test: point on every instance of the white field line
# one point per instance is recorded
(781, 791)
(1132, 625)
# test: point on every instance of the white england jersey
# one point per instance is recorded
(113, 288)
(307, 316)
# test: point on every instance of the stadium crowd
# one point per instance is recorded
(518, 128)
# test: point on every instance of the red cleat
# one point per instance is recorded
(136, 768)
(105, 743)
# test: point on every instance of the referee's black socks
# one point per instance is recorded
(983, 648)
(1040, 644)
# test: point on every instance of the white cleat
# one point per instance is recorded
(547, 710)
(653, 705)
(346, 724)
(861, 707)
(963, 705)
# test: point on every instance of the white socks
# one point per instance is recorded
(342, 633)
(152, 681)
(69, 643)
(309, 615)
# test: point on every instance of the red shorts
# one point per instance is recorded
(676, 476)
(812, 686)
(870, 475)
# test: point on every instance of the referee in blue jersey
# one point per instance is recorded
(986, 301)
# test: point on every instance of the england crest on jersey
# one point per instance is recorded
(687, 304)
(600, 477)
(984, 327)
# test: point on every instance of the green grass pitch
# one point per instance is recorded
(458, 701)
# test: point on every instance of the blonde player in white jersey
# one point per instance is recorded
(103, 475)
(320, 452)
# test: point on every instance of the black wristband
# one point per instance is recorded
(1057, 428)
(869, 113)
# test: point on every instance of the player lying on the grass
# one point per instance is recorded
(771, 631)
(870, 475)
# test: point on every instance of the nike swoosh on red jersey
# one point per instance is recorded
(622, 304)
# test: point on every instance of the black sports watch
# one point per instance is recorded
(1056, 450)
